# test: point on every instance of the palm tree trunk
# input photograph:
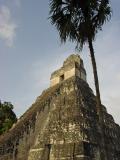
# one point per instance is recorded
(98, 98)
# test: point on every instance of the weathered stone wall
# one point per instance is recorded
(15, 144)
(72, 66)
(62, 124)
(65, 135)
(112, 137)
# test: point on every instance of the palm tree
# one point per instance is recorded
(79, 21)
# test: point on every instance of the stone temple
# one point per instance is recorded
(62, 124)
(73, 66)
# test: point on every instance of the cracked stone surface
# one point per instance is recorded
(62, 124)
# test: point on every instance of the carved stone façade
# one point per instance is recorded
(63, 124)
(72, 66)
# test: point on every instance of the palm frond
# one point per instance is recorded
(76, 20)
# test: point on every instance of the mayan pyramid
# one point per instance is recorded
(63, 123)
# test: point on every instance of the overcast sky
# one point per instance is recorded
(30, 51)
